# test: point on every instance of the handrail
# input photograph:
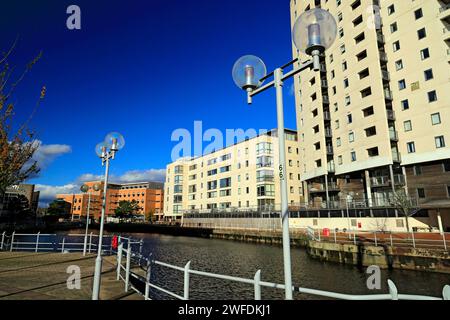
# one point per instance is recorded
(256, 282)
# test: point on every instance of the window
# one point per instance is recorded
(367, 112)
(356, 4)
(340, 17)
(353, 156)
(358, 21)
(428, 74)
(346, 83)
(402, 84)
(333, 74)
(435, 118)
(396, 46)
(342, 49)
(318, 163)
(225, 183)
(447, 166)
(425, 53)
(341, 32)
(337, 124)
(372, 131)
(331, 58)
(362, 55)
(315, 113)
(394, 27)
(360, 38)
(347, 100)
(338, 142)
(349, 118)
(351, 137)
(432, 96)
(417, 170)
(405, 104)
(344, 66)
(316, 129)
(366, 92)
(340, 160)
(373, 152)
(440, 142)
(312, 81)
(399, 65)
(418, 14)
(422, 33)
(407, 125)
(317, 146)
(411, 147)
(391, 9)
(364, 74)
(421, 193)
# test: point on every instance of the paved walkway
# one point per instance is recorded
(43, 276)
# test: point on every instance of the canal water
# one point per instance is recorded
(244, 259)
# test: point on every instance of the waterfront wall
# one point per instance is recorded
(364, 255)
(360, 224)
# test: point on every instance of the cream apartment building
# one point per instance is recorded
(375, 118)
(239, 177)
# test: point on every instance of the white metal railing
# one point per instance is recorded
(256, 282)
(380, 238)
(40, 242)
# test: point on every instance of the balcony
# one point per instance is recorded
(330, 150)
(383, 181)
(446, 32)
(399, 180)
(393, 135)
(380, 38)
(326, 115)
(385, 75)
(328, 133)
(320, 187)
(324, 83)
(444, 13)
(265, 179)
(331, 167)
(396, 157)
(383, 57)
(388, 94)
(326, 99)
(390, 115)
(323, 68)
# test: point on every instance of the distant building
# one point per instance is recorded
(149, 195)
(26, 192)
(241, 176)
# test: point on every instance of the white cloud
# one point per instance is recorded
(47, 153)
(158, 175)
(49, 192)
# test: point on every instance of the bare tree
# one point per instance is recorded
(404, 204)
(16, 146)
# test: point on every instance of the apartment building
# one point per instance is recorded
(149, 195)
(373, 120)
(243, 176)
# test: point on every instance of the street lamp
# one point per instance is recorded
(106, 151)
(85, 189)
(347, 195)
(314, 32)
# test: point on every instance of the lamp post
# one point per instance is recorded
(346, 195)
(85, 189)
(106, 151)
(314, 32)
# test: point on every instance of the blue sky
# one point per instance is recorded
(141, 67)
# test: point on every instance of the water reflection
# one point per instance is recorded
(244, 259)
